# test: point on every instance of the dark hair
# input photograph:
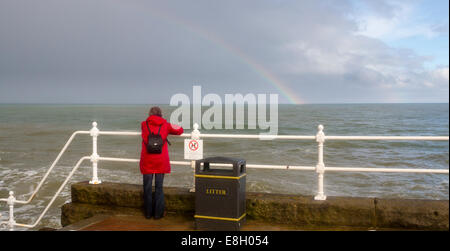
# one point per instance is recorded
(155, 111)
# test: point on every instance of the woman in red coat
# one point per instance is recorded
(155, 164)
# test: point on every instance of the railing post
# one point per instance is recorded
(320, 167)
(194, 135)
(10, 202)
(94, 157)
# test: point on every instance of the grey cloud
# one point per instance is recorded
(440, 28)
(145, 51)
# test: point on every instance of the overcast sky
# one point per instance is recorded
(114, 51)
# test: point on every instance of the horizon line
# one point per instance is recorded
(332, 103)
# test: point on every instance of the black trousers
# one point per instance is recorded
(157, 209)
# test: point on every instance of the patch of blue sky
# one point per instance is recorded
(436, 49)
(419, 25)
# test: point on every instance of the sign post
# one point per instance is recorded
(193, 150)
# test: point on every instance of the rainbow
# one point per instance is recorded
(291, 96)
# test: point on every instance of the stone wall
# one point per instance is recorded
(296, 210)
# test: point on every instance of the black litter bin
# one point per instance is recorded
(220, 194)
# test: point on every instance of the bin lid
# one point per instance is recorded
(237, 169)
(223, 160)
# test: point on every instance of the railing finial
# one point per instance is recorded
(320, 127)
(320, 136)
(195, 133)
(94, 130)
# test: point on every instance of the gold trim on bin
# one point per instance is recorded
(219, 218)
(219, 177)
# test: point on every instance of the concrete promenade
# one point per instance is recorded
(168, 223)
(115, 206)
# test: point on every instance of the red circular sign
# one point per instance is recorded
(193, 145)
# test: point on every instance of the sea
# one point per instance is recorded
(31, 136)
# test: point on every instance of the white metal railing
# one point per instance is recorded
(320, 168)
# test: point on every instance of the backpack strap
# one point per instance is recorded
(148, 129)
(159, 129)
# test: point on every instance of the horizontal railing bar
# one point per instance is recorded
(286, 167)
(251, 136)
(385, 170)
(233, 136)
(185, 135)
(294, 137)
(118, 159)
(425, 138)
(188, 163)
(119, 133)
(305, 168)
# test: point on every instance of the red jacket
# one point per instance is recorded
(156, 163)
